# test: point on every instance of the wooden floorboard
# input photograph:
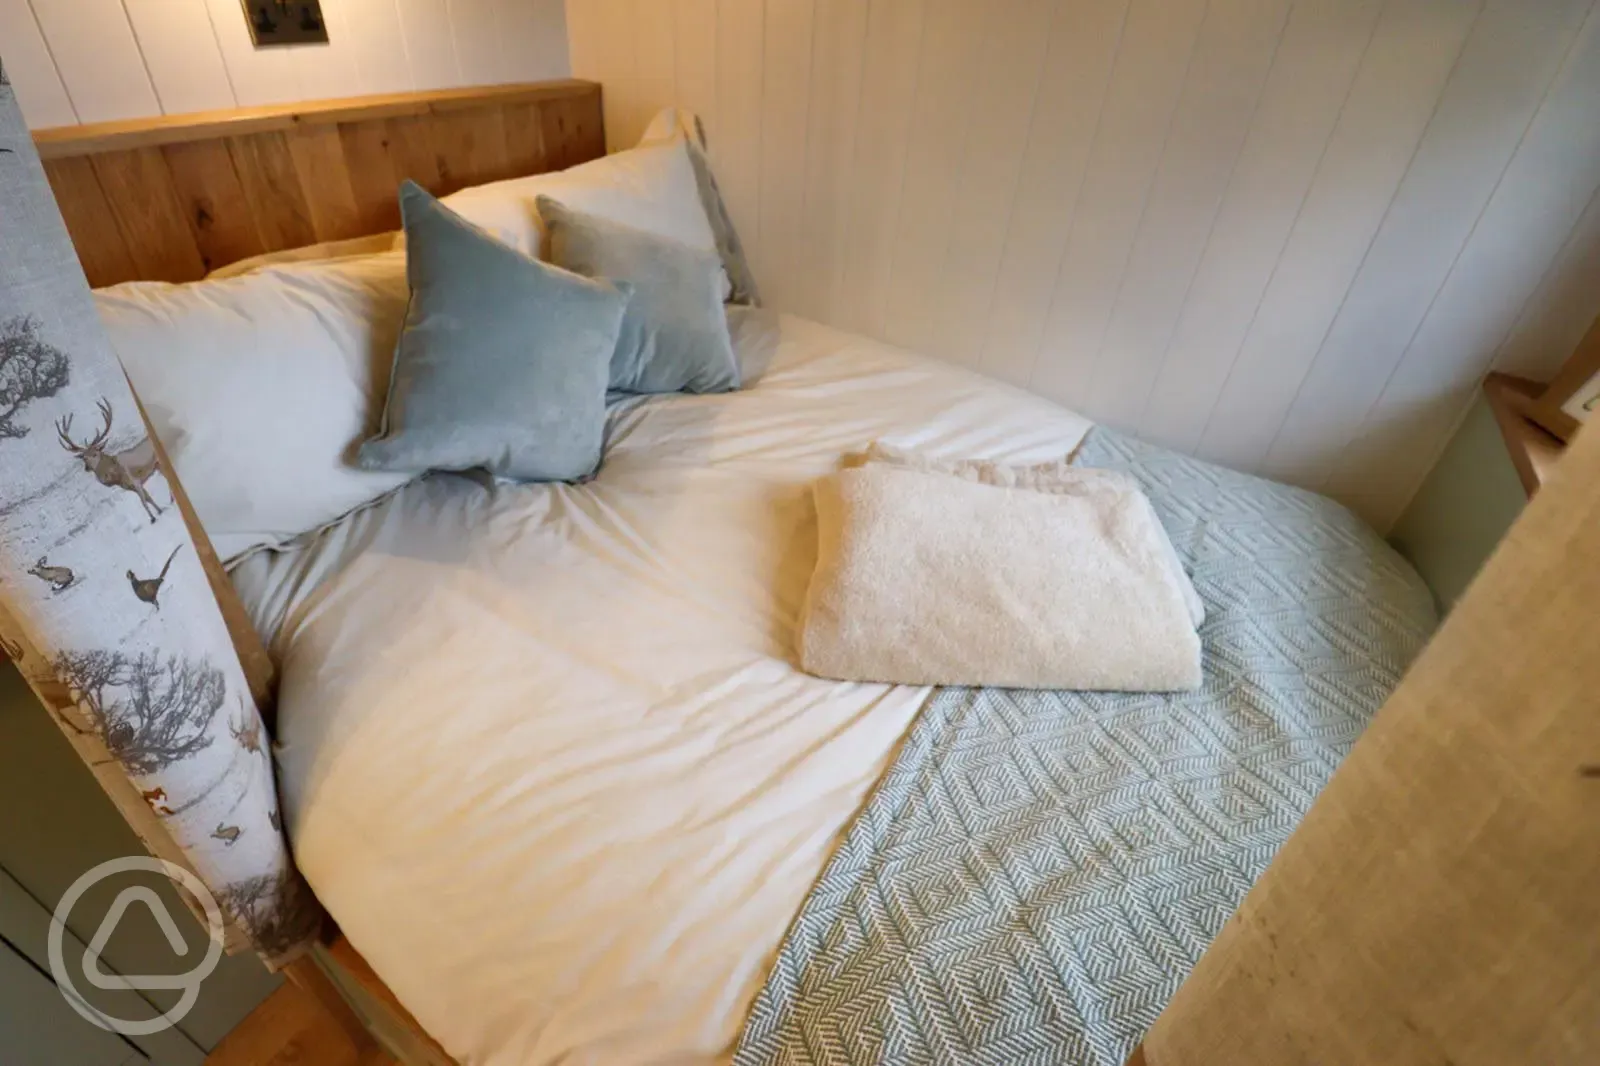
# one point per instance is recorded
(290, 1028)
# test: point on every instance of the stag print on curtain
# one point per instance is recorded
(104, 604)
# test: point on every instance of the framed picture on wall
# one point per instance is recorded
(1574, 396)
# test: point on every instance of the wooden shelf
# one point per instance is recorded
(1533, 451)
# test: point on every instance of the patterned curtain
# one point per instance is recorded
(104, 603)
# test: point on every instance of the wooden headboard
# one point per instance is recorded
(171, 198)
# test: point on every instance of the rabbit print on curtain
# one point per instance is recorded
(104, 604)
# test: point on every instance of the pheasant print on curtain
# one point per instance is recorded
(104, 604)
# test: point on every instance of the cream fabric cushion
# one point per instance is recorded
(355, 246)
(651, 188)
(923, 578)
(260, 386)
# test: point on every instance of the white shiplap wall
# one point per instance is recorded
(74, 61)
(1290, 235)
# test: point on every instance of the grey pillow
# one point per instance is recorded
(503, 361)
(756, 334)
(740, 278)
(674, 334)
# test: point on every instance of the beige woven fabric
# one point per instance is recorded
(1441, 901)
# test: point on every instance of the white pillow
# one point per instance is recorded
(651, 187)
(261, 385)
(353, 246)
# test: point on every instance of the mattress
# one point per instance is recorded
(545, 752)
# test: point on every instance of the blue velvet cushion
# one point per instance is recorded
(503, 362)
(674, 335)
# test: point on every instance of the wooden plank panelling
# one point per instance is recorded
(32, 71)
(611, 27)
(180, 52)
(338, 68)
(785, 99)
(533, 36)
(378, 45)
(412, 152)
(1405, 70)
(560, 136)
(259, 76)
(1553, 316)
(236, 122)
(656, 49)
(430, 41)
(838, 38)
(1084, 44)
(319, 163)
(213, 202)
(372, 174)
(88, 216)
(97, 60)
(952, 44)
(997, 134)
(1233, 55)
(272, 189)
(1533, 259)
(525, 152)
(1287, 234)
(475, 24)
(470, 147)
(1136, 120)
(1310, 79)
(144, 201)
(736, 149)
(877, 169)
(160, 200)
(573, 132)
(694, 50)
(1481, 117)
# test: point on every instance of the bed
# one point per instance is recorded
(545, 754)
(566, 718)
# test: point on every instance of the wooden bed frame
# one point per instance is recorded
(172, 198)
(175, 197)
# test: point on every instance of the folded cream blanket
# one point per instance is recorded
(927, 578)
(1056, 476)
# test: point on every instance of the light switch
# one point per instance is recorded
(285, 22)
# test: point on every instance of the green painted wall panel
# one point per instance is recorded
(39, 1029)
(1463, 508)
(56, 823)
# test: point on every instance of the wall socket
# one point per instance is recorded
(285, 22)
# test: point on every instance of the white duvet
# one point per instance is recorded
(546, 755)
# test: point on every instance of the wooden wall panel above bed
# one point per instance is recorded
(171, 198)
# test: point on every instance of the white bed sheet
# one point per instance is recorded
(545, 753)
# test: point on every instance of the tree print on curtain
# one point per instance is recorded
(150, 712)
(107, 615)
(30, 370)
